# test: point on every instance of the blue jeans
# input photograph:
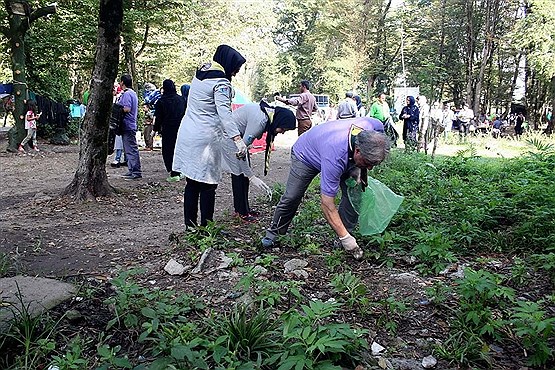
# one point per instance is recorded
(300, 177)
(131, 152)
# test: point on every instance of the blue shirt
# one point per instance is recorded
(129, 100)
(325, 148)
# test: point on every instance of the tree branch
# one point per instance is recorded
(42, 12)
(5, 31)
(143, 45)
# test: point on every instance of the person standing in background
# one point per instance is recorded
(411, 117)
(306, 105)
(169, 112)
(129, 101)
(147, 130)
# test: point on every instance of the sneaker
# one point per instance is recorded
(267, 243)
(21, 149)
(248, 218)
(115, 164)
(37, 149)
(127, 175)
(254, 213)
(173, 178)
(133, 177)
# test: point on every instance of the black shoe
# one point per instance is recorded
(128, 174)
(115, 164)
(133, 177)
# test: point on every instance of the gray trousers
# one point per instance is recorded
(300, 177)
(131, 150)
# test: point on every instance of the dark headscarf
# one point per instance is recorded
(282, 118)
(411, 100)
(228, 58)
(358, 100)
(169, 87)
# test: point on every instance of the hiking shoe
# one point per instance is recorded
(173, 178)
(248, 218)
(254, 213)
(267, 243)
(133, 177)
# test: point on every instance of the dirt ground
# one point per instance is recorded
(48, 235)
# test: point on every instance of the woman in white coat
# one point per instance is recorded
(198, 150)
(252, 121)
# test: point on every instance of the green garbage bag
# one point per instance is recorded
(375, 206)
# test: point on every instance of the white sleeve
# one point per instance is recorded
(222, 99)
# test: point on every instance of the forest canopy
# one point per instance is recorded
(473, 51)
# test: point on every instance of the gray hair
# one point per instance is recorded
(373, 145)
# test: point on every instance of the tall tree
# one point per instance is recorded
(90, 180)
(20, 17)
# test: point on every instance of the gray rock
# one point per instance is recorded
(300, 273)
(428, 362)
(32, 294)
(225, 261)
(260, 270)
(174, 268)
(377, 348)
(198, 267)
(295, 264)
(405, 364)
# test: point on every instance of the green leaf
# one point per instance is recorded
(148, 312)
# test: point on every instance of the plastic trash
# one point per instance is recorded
(375, 206)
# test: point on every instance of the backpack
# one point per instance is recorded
(116, 119)
(116, 125)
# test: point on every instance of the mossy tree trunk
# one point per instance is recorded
(20, 18)
(90, 180)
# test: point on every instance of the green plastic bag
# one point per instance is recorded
(375, 206)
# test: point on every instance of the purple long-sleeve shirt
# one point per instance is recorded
(326, 148)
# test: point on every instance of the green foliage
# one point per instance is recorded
(73, 358)
(433, 250)
(29, 338)
(350, 288)
(535, 328)
(462, 204)
(480, 293)
(312, 341)
(209, 236)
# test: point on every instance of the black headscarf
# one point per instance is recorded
(169, 87)
(282, 118)
(228, 58)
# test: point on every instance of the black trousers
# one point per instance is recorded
(240, 188)
(169, 136)
(195, 190)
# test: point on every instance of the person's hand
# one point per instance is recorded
(241, 149)
(261, 185)
(153, 133)
(349, 243)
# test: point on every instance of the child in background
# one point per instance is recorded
(147, 131)
(31, 125)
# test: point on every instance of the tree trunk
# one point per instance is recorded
(20, 19)
(90, 179)
(550, 125)
(471, 40)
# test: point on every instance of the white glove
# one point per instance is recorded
(349, 243)
(261, 185)
(152, 133)
(241, 149)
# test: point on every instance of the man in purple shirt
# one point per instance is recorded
(128, 99)
(338, 150)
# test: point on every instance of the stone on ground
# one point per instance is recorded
(33, 295)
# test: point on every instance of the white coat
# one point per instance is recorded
(198, 149)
